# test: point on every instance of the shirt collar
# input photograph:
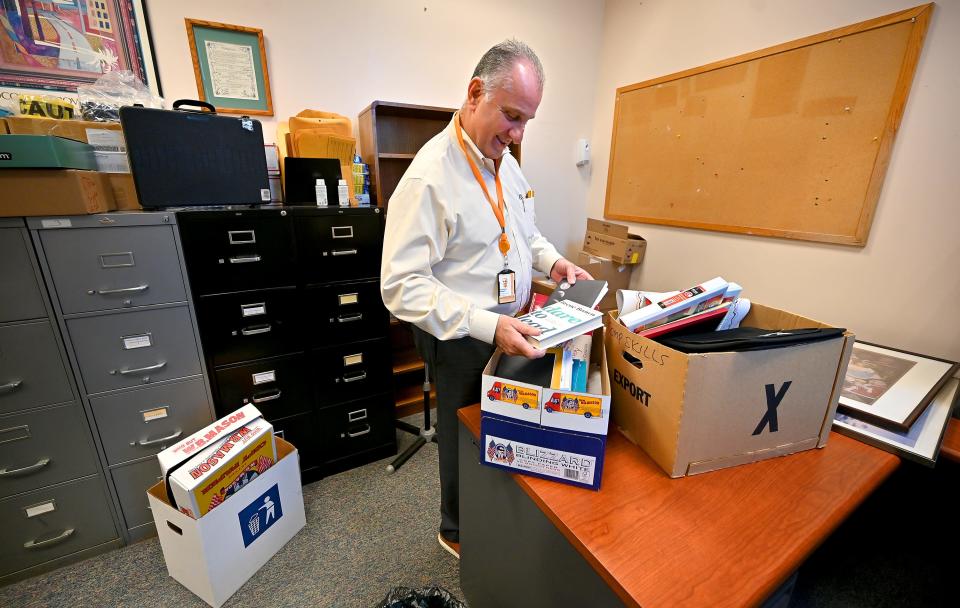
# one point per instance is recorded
(472, 148)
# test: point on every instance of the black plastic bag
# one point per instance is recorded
(425, 597)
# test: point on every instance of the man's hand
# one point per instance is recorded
(510, 338)
(564, 269)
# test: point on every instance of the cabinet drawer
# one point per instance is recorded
(278, 387)
(110, 268)
(237, 250)
(31, 370)
(44, 447)
(301, 431)
(356, 426)
(350, 371)
(133, 348)
(142, 422)
(46, 524)
(22, 298)
(338, 247)
(249, 325)
(345, 312)
(132, 482)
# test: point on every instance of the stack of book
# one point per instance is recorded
(715, 303)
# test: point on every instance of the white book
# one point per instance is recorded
(560, 322)
(686, 299)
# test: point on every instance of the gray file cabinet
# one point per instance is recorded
(55, 503)
(118, 288)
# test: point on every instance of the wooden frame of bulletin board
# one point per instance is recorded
(791, 141)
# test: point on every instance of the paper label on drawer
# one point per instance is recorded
(348, 298)
(58, 223)
(352, 359)
(132, 342)
(40, 509)
(154, 414)
(536, 459)
(264, 377)
(251, 310)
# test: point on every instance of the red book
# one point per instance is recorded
(716, 314)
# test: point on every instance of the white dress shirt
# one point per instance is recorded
(440, 254)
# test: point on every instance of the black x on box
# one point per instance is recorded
(193, 158)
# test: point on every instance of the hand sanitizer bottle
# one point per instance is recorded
(344, 193)
(321, 193)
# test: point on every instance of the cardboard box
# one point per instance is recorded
(4, 129)
(54, 192)
(124, 191)
(693, 413)
(215, 555)
(44, 152)
(628, 250)
(618, 231)
(71, 129)
(616, 275)
(550, 433)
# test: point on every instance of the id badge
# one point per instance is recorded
(506, 286)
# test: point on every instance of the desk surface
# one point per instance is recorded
(734, 534)
(951, 440)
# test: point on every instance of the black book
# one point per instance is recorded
(586, 293)
(538, 372)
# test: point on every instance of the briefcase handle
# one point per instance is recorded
(207, 107)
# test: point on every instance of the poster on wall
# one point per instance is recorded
(50, 47)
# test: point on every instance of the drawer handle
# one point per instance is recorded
(30, 469)
(9, 387)
(144, 443)
(107, 292)
(357, 415)
(350, 318)
(140, 370)
(360, 376)
(270, 397)
(254, 330)
(337, 252)
(359, 433)
(33, 544)
(244, 259)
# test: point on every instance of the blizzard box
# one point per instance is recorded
(551, 433)
(215, 555)
(693, 413)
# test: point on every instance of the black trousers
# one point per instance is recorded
(455, 369)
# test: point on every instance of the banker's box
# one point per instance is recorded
(693, 413)
(614, 242)
(215, 555)
(550, 433)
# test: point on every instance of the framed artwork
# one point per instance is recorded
(230, 65)
(52, 47)
(890, 388)
(921, 442)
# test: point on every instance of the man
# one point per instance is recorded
(459, 246)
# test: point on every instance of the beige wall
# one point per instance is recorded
(903, 288)
(340, 56)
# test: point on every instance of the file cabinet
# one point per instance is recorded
(54, 499)
(118, 289)
(291, 320)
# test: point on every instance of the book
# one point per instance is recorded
(629, 300)
(579, 348)
(538, 372)
(588, 293)
(714, 314)
(560, 322)
(687, 302)
(562, 367)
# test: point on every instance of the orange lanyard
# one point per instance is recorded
(497, 208)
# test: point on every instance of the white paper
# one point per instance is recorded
(136, 342)
(155, 414)
(106, 140)
(59, 223)
(232, 72)
(352, 359)
(264, 377)
(40, 509)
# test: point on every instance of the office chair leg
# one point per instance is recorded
(425, 434)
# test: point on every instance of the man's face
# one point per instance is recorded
(501, 117)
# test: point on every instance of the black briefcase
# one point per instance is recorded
(748, 338)
(185, 157)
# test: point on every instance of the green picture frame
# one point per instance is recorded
(230, 65)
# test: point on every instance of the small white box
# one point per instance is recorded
(215, 555)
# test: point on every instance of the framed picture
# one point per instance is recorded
(921, 442)
(888, 387)
(230, 65)
(52, 47)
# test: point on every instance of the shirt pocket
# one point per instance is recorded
(522, 210)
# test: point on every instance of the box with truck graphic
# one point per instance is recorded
(514, 394)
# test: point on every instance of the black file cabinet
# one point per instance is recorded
(291, 321)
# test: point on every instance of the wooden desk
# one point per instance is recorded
(950, 447)
(725, 538)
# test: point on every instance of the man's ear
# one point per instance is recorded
(474, 92)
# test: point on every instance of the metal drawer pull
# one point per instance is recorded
(360, 376)
(11, 386)
(337, 252)
(341, 232)
(140, 370)
(244, 259)
(254, 330)
(144, 443)
(33, 544)
(357, 415)
(30, 469)
(349, 318)
(107, 292)
(242, 237)
(359, 433)
(271, 397)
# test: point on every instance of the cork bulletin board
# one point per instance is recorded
(792, 141)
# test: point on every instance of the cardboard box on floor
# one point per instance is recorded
(215, 555)
(693, 413)
(559, 435)
(34, 192)
(613, 242)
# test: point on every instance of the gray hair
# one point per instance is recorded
(496, 65)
